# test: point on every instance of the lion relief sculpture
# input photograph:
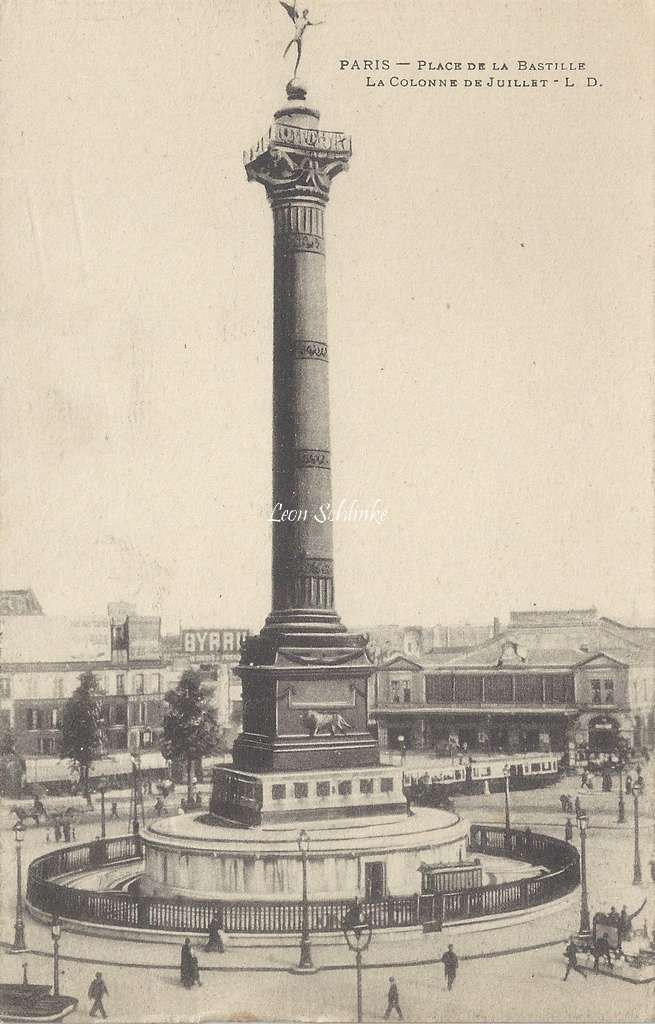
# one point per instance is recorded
(317, 722)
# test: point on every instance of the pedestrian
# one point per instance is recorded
(450, 964)
(97, 989)
(571, 955)
(604, 949)
(189, 970)
(215, 944)
(114, 809)
(393, 1000)
(625, 927)
(564, 800)
(67, 831)
(628, 784)
(47, 835)
(57, 832)
(568, 831)
(73, 833)
(578, 807)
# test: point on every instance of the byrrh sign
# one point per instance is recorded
(213, 642)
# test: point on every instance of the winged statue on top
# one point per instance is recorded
(301, 23)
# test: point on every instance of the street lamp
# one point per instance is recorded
(102, 788)
(621, 817)
(55, 931)
(584, 898)
(636, 793)
(305, 963)
(357, 931)
(508, 828)
(135, 795)
(19, 945)
(401, 741)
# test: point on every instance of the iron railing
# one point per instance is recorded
(47, 891)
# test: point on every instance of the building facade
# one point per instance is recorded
(551, 681)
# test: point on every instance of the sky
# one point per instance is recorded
(490, 307)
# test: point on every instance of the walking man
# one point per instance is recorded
(568, 830)
(393, 1000)
(571, 955)
(450, 964)
(97, 989)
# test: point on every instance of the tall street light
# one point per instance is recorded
(305, 963)
(19, 945)
(584, 898)
(621, 817)
(636, 877)
(508, 828)
(102, 788)
(135, 795)
(55, 931)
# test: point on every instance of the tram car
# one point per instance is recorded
(434, 785)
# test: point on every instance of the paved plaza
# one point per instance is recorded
(498, 967)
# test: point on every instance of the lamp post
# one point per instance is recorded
(305, 963)
(584, 898)
(19, 945)
(508, 828)
(102, 788)
(357, 931)
(621, 817)
(401, 742)
(135, 795)
(55, 931)
(636, 877)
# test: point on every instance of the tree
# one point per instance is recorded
(191, 731)
(82, 728)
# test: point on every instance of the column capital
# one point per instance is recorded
(297, 161)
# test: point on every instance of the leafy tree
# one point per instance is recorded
(82, 728)
(191, 731)
(7, 742)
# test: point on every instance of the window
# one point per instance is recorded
(59, 688)
(322, 789)
(138, 682)
(278, 792)
(157, 682)
(386, 785)
(46, 745)
(345, 788)
(120, 714)
(5, 686)
(300, 790)
(141, 713)
(366, 785)
(120, 684)
(34, 718)
(55, 718)
(395, 693)
(407, 694)
(609, 691)
(595, 691)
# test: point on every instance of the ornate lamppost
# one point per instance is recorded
(621, 817)
(357, 930)
(102, 789)
(636, 793)
(135, 794)
(19, 945)
(55, 931)
(305, 963)
(585, 927)
(507, 770)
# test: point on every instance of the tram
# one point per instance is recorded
(441, 780)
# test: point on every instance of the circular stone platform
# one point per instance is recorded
(185, 856)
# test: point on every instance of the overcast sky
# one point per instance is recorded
(490, 308)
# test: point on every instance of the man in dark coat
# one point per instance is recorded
(187, 966)
(97, 989)
(393, 1000)
(571, 955)
(568, 830)
(450, 964)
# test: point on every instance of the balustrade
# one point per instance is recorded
(172, 914)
